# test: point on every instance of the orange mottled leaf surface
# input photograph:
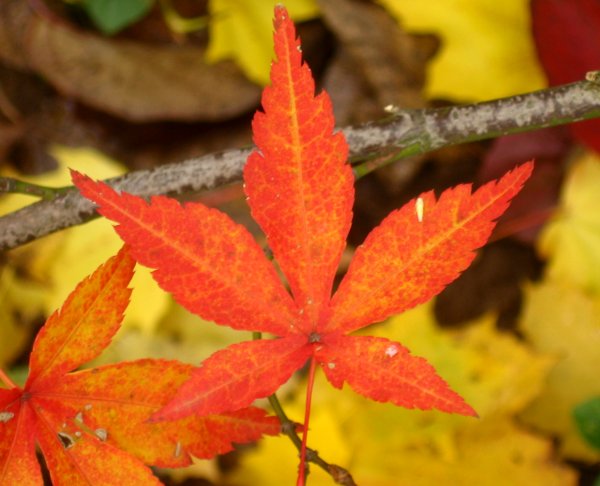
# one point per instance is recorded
(300, 192)
(92, 425)
(238, 374)
(386, 372)
(299, 187)
(418, 250)
(210, 264)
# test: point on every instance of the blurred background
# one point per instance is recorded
(110, 86)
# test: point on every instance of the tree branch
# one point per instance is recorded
(403, 134)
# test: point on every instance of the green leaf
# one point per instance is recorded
(587, 417)
(111, 16)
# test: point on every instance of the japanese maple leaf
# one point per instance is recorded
(92, 425)
(300, 191)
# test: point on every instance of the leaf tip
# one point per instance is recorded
(281, 15)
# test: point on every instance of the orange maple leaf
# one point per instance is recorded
(92, 425)
(300, 191)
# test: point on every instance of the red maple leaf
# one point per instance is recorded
(92, 425)
(300, 191)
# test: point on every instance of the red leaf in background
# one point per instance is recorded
(567, 37)
(92, 425)
(300, 191)
(535, 203)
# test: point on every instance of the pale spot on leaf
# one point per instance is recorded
(391, 350)
(178, 449)
(102, 434)
(419, 209)
(6, 416)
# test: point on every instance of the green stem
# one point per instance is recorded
(416, 132)
(14, 186)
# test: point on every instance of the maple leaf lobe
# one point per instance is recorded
(385, 371)
(194, 247)
(299, 186)
(409, 258)
(94, 421)
(85, 324)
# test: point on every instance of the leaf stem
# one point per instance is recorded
(6, 380)
(303, 469)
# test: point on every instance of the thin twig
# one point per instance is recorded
(338, 473)
(406, 133)
(288, 427)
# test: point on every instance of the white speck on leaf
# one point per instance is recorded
(391, 350)
(178, 449)
(102, 434)
(78, 433)
(79, 417)
(419, 208)
(87, 407)
(6, 416)
(331, 365)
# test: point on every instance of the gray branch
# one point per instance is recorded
(404, 133)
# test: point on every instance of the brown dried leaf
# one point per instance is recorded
(14, 19)
(137, 81)
(378, 65)
(391, 61)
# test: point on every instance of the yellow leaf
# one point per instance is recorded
(242, 30)
(61, 260)
(564, 321)
(493, 454)
(493, 371)
(487, 49)
(20, 303)
(571, 241)
(178, 335)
